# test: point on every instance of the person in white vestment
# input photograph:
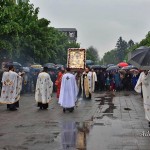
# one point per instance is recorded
(94, 80)
(11, 88)
(44, 88)
(87, 83)
(68, 91)
(143, 84)
(69, 135)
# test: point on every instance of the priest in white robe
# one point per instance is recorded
(68, 91)
(69, 135)
(44, 88)
(143, 84)
(94, 80)
(11, 88)
(87, 83)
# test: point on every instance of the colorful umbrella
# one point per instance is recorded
(122, 64)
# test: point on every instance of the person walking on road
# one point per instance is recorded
(11, 88)
(44, 88)
(68, 91)
(144, 83)
(94, 80)
(58, 81)
(86, 83)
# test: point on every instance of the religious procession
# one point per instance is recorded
(78, 80)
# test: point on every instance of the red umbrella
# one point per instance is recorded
(122, 64)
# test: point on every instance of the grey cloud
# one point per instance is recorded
(99, 22)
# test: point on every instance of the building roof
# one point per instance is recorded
(66, 29)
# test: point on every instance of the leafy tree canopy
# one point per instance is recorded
(24, 37)
(92, 54)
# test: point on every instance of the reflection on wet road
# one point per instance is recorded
(114, 125)
(74, 135)
(107, 122)
(89, 134)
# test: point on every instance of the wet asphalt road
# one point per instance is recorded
(106, 122)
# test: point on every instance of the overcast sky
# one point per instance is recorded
(99, 22)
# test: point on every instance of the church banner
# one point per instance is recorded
(76, 58)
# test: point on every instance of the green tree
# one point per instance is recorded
(130, 43)
(92, 54)
(121, 46)
(9, 28)
(24, 37)
(110, 57)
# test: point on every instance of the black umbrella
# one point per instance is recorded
(103, 67)
(109, 65)
(96, 67)
(15, 64)
(128, 67)
(89, 62)
(140, 58)
(112, 68)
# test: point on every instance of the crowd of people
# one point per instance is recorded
(73, 84)
(116, 80)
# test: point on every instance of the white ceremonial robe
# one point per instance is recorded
(145, 81)
(90, 77)
(89, 84)
(11, 87)
(44, 88)
(68, 91)
(94, 79)
(69, 135)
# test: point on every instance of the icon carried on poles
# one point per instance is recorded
(76, 58)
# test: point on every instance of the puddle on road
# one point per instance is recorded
(99, 124)
(8, 147)
(128, 109)
(106, 100)
(111, 116)
(2, 134)
(24, 126)
(80, 135)
(71, 135)
(74, 135)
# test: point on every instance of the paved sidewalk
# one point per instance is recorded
(106, 122)
(119, 123)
